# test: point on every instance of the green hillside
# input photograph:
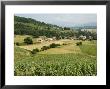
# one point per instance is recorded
(28, 26)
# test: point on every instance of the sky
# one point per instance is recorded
(68, 20)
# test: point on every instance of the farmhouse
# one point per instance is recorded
(49, 39)
(71, 38)
(89, 30)
(40, 40)
(43, 37)
(82, 37)
(54, 38)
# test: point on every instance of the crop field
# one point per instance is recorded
(64, 60)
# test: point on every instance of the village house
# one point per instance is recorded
(54, 38)
(40, 40)
(49, 39)
(82, 37)
(71, 38)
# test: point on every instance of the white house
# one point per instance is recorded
(82, 37)
(40, 40)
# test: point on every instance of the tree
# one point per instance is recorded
(17, 43)
(45, 48)
(34, 51)
(53, 45)
(66, 28)
(79, 43)
(28, 40)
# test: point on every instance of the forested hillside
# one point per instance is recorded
(28, 26)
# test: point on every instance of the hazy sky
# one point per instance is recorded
(68, 20)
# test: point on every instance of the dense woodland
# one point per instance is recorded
(28, 26)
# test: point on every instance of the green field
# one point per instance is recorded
(64, 60)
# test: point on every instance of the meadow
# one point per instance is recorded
(64, 60)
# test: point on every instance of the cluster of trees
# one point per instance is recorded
(34, 51)
(27, 41)
(28, 26)
(79, 43)
(87, 34)
(24, 20)
(53, 45)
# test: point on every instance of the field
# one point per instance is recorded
(64, 60)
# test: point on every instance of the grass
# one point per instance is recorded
(20, 54)
(70, 48)
(89, 49)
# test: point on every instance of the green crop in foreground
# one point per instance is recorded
(80, 62)
(56, 65)
(89, 49)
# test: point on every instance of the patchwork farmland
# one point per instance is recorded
(45, 55)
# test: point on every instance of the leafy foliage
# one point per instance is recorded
(34, 51)
(45, 48)
(53, 45)
(17, 43)
(28, 40)
(79, 43)
(57, 65)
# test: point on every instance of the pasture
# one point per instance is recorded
(64, 60)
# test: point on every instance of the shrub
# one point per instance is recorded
(79, 43)
(57, 44)
(53, 45)
(28, 40)
(45, 48)
(17, 43)
(34, 51)
(64, 44)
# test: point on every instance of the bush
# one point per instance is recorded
(28, 40)
(64, 44)
(17, 43)
(45, 48)
(79, 43)
(53, 45)
(34, 51)
(57, 44)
